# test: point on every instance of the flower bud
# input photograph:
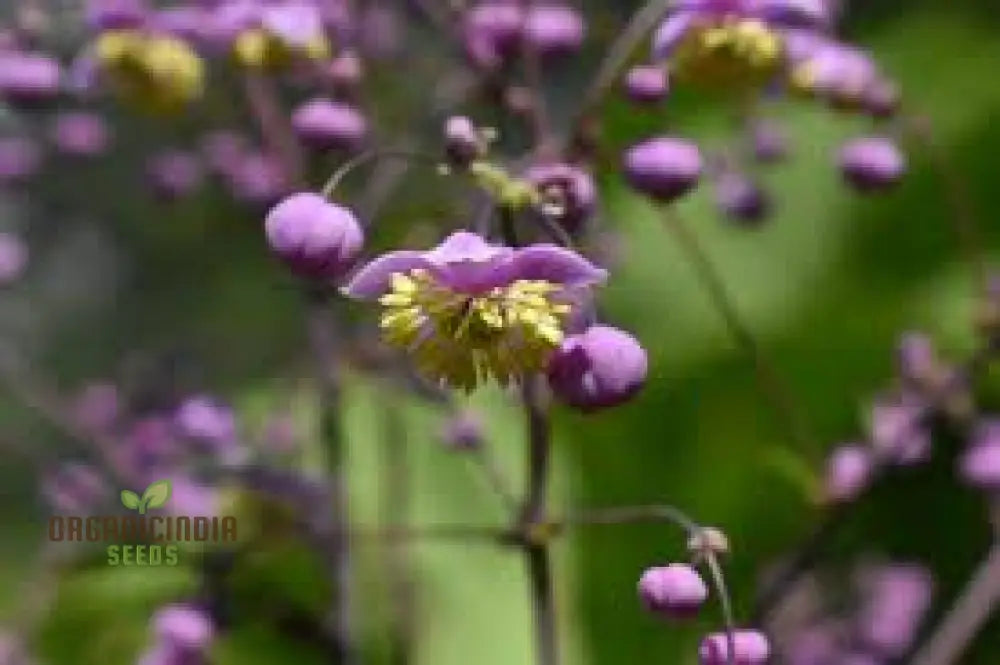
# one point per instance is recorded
(174, 174)
(897, 430)
(553, 29)
(872, 164)
(751, 647)
(13, 258)
(27, 79)
(184, 627)
(463, 431)
(896, 599)
(201, 418)
(20, 160)
(674, 591)
(646, 84)
(491, 31)
(568, 193)
(741, 200)
(326, 124)
(315, 238)
(462, 142)
(768, 143)
(848, 473)
(80, 134)
(599, 368)
(345, 71)
(881, 99)
(979, 465)
(663, 168)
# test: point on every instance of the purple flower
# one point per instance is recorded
(20, 160)
(29, 78)
(116, 14)
(872, 164)
(80, 134)
(175, 174)
(835, 72)
(768, 143)
(97, 407)
(741, 199)
(897, 429)
(345, 71)
(189, 22)
(675, 590)
(491, 31)
(896, 598)
(184, 627)
(553, 29)
(646, 84)
(599, 368)
(848, 473)
(323, 124)
(203, 419)
(13, 258)
(74, 488)
(149, 445)
(315, 238)
(191, 498)
(463, 431)
(468, 310)
(222, 150)
(663, 168)
(258, 179)
(979, 465)
(296, 23)
(751, 647)
(568, 193)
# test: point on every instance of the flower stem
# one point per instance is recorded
(770, 380)
(364, 158)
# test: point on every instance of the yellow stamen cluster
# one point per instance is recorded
(259, 49)
(462, 340)
(731, 53)
(154, 72)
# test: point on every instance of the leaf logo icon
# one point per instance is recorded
(155, 496)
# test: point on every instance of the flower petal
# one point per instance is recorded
(670, 33)
(372, 280)
(463, 246)
(555, 264)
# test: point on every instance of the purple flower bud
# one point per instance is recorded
(175, 174)
(222, 150)
(29, 78)
(848, 473)
(463, 431)
(897, 431)
(13, 258)
(258, 179)
(20, 160)
(96, 408)
(916, 358)
(675, 590)
(979, 465)
(881, 99)
(115, 14)
(751, 647)
(80, 134)
(462, 143)
(553, 29)
(74, 488)
(345, 71)
(768, 143)
(872, 164)
(315, 238)
(646, 84)
(184, 627)
(741, 200)
(896, 600)
(203, 419)
(568, 193)
(491, 31)
(324, 124)
(599, 368)
(663, 168)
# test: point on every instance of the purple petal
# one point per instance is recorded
(373, 279)
(552, 263)
(670, 33)
(296, 24)
(463, 246)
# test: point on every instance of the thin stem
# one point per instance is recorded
(539, 104)
(640, 25)
(357, 161)
(487, 463)
(778, 393)
(274, 129)
(957, 630)
(725, 603)
(322, 338)
(655, 513)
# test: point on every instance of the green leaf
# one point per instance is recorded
(156, 494)
(130, 499)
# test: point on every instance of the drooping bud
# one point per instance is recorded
(675, 590)
(751, 647)
(872, 164)
(647, 84)
(599, 368)
(325, 124)
(463, 143)
(29, 79)
(663, 168)
(315, 238)
(553, 29)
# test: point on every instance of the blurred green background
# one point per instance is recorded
(827, 286)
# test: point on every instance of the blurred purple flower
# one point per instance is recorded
(848, 473)
(116, 14)
(568, 193)
(741, 200)
(663, 168)
(97, 407)
(258, 179)
(326, 124)
(895, 600)
(29, 78)
(192, 498)
(202, 419)
(768, 142)
(463, 431)
(872, 164)
(74, 488)
(647, 84)
(80, 134)
(175, 174)
(222, 150)
(553, 29)
(13, 258)
(897, 429)
(751, 647)
(979, 465)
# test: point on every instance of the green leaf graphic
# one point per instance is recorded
(155, 495)
(130, 499)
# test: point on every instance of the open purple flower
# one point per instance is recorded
(469, 311)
